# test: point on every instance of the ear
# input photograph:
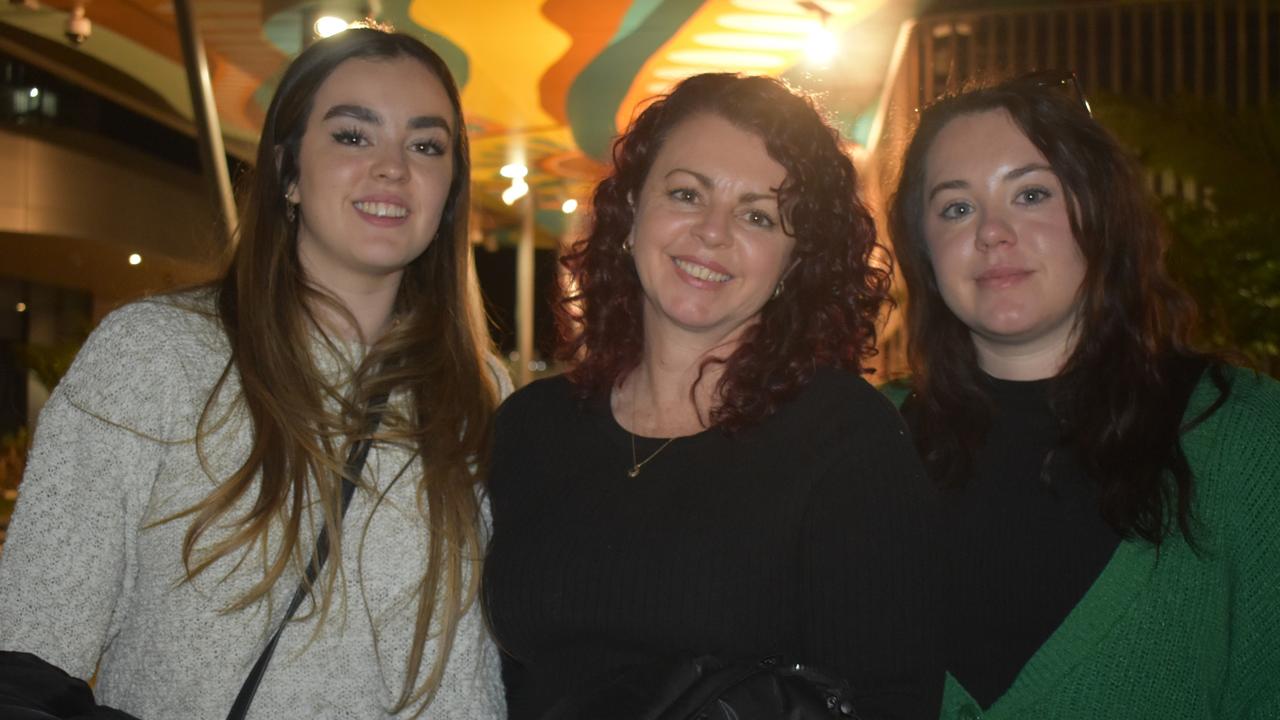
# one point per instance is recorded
(291, 190)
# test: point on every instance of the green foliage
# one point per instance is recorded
(1230, 265)
(1225, 246)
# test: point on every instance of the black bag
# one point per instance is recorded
(708, 688)
(32, 689)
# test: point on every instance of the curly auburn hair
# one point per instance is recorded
(1119, 398)
(826, 313)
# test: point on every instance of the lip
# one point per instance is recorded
(387, 199)
(697, 281)
(1002, 276)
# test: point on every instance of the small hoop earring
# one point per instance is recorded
(627, 245)
(777, 290)
(290, 209)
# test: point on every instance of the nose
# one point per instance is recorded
(390, 165)
(994, 231)
(713, 227)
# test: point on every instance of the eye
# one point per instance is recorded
(427, 147)
(760, 219)
(956, 210)
(1033, 195)
(684, 195)
(350, 136)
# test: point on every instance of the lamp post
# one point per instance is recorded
(213, 155)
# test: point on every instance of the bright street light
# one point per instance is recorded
(329, 25)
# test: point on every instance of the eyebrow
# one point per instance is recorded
(364, 114)
(948, 185)
(705, 181)
(1013, 174)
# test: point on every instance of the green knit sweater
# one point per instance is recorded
(1171, 634)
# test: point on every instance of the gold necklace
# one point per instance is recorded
(636, 465)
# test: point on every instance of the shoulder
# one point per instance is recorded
(1234, 451)
(1254, 396)
(164, 321)
(540, 396)
(500, 376)
(851, 430)
(840, 414)
(1249, 412)
(847, 398)
(143, 355)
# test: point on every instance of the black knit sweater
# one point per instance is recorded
(805, 536)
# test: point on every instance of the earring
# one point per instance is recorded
(290, 209)
(628, 244)
(777, 290)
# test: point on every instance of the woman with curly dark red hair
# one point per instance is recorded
(714, 476)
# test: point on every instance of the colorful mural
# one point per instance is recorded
(546, 83)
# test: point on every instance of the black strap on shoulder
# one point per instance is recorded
(354, 467)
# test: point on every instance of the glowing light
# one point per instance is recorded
(569, 207)
(21, 307)
(726, 58)
(329, 25)
(761, 23)
(35, 92)
(745, 41)
(513, 171)
(519, 188)
(835, 7)
(135, 259)
(821, 46)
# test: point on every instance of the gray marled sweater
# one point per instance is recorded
(85, 583)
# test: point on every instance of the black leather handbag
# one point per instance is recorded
(707, 688)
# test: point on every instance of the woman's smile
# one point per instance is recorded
(701, 273)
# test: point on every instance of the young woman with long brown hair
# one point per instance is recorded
(1111, 495)
(184, 468)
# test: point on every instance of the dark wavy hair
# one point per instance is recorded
(826, 312)
(1121, 394)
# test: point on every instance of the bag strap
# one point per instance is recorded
(353, 469)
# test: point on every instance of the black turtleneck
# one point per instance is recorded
(1026, 543)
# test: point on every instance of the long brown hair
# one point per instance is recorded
(1119, 398)
(825, 313)
(434, 355)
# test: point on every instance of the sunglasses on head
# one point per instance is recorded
(1061, 80)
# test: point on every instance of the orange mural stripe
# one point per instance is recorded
(591, 24)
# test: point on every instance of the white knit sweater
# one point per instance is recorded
(85, 583)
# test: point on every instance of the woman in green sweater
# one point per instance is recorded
(1111, 496)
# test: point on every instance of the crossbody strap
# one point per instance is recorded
(354, 467)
